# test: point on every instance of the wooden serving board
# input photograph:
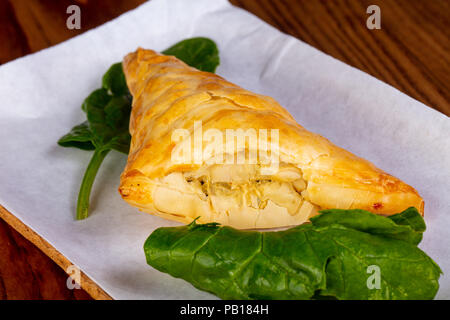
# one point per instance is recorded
(86, 283)
(409, 52)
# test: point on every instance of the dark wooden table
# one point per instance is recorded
(409, 52)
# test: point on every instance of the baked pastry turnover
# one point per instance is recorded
(310, 174)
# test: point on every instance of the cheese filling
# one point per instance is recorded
(237, 195)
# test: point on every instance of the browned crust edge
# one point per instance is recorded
(92, 288)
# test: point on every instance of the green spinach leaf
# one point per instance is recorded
(331, 257)
(79, 137)
(114, 80)
(108, 113)
(407, 225)
(201, 53)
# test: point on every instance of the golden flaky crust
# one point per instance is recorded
(168, 94)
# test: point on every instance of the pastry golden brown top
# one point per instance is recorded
(169, 95)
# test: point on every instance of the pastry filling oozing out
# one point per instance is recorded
(227, 189)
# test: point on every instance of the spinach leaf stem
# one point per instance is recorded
(88, 181)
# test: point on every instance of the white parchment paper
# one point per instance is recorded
(41, 94)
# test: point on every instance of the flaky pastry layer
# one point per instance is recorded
(169, 95)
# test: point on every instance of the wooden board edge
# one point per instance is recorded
(93, 289)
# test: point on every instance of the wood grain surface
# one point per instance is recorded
(26, 272)
(24, 261)
(409, 52)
